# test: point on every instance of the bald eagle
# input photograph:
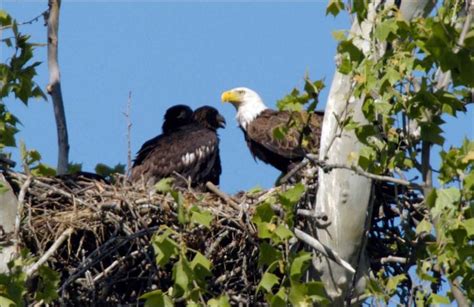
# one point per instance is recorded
(301, 131)
(184, 150)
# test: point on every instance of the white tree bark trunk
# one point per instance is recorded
(8, 211)
(344, 196)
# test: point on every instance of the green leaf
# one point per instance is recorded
(47, 285)
(182, 275)
(43, 170)
(201, 266)
(268, 254)
(6, 302)
(157, 298)
(339, 35)
(385, 28)
(292, 196)
(423, 227)
(299, 265)
(334, 7)
(283, 232)
(447, 199)
(164, 247)
(469, 226)
(202, 217)
(264, 213)
(221, 301)
(438, 299)
(267, 282)
(164, 185)
(393, 282)
(316, 291)
(179, 199)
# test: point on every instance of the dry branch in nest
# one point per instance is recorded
(106, 256)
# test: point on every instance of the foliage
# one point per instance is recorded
(284, 267)
(108, 171)
(190, 268)
(14, 285)
(406, 101)
(16, 76)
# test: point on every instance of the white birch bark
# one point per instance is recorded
(8, 211)
(343, 195)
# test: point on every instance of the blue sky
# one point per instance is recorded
(169, 53)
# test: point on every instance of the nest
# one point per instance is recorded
(107, 258)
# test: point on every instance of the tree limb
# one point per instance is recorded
(359, 171)
(324, 250)
(54, 86)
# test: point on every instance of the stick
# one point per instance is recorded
(360, 171)
(113, 265)
(31, 270)
(324, 250)
(294, 170)
(393, 259)
(129, 134)
(222, 195)
(19, 211)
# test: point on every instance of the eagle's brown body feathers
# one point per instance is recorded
(301, 134)
(187, 152)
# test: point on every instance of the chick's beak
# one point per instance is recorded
(221, 121)
(229, 96)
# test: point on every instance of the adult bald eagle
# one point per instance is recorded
(301, 134)
(189, 151)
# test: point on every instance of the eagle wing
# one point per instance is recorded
(191, 152)
(293, 144)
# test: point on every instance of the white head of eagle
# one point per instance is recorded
(247, 103)
(259, 124)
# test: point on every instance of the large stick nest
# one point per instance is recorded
(109, 258)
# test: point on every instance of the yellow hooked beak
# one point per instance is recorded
(230, 96)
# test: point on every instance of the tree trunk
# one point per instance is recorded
(344, 196)
(8, 212)
(54, 86)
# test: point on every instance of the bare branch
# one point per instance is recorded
(223, 195)
(393, 259)
(324, 250)
(19, 211)
(360, 171)
(129, 134)
(31, 270)
(54, 86)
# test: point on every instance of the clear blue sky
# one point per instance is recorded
(170, 53)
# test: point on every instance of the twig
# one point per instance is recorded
(29, 22)
(360, 171)
(113, 265)
(324, 250)
(216, 243)
(31, 270)
(129, 134)
(393, 259)
(222, 195)
(19, 211)
(293, 171)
